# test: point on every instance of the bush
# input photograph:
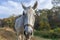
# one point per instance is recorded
(48, 34)
(57, 32)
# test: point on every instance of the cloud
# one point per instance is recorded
(45, 4)
(42, 4)
(9, 7)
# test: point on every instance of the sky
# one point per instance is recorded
(9, 7)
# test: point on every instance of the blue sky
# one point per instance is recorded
(9, 7)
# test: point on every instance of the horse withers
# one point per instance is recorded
(24, 25)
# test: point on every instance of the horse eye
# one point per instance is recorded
(23, 13)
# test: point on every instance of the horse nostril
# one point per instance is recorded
(27, 33)
(31, 33)
(24, 33)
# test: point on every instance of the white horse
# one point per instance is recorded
(24, 25)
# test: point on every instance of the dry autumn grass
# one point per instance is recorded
(6, 34)
(9, 34)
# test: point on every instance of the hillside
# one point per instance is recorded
(9, 34)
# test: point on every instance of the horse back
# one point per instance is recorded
(19, 23)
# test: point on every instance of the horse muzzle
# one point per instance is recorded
(27, 33)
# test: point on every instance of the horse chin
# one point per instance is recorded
(28, 37)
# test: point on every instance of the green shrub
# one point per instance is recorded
(37, 33)
(57, 29)
(57, 32)
(48, 34)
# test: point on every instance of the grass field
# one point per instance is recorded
(10, 35)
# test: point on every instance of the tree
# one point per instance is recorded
(44, 24)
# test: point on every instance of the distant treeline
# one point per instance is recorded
(48, 19)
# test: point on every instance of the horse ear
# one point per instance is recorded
(23, 6)
(35, 5)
